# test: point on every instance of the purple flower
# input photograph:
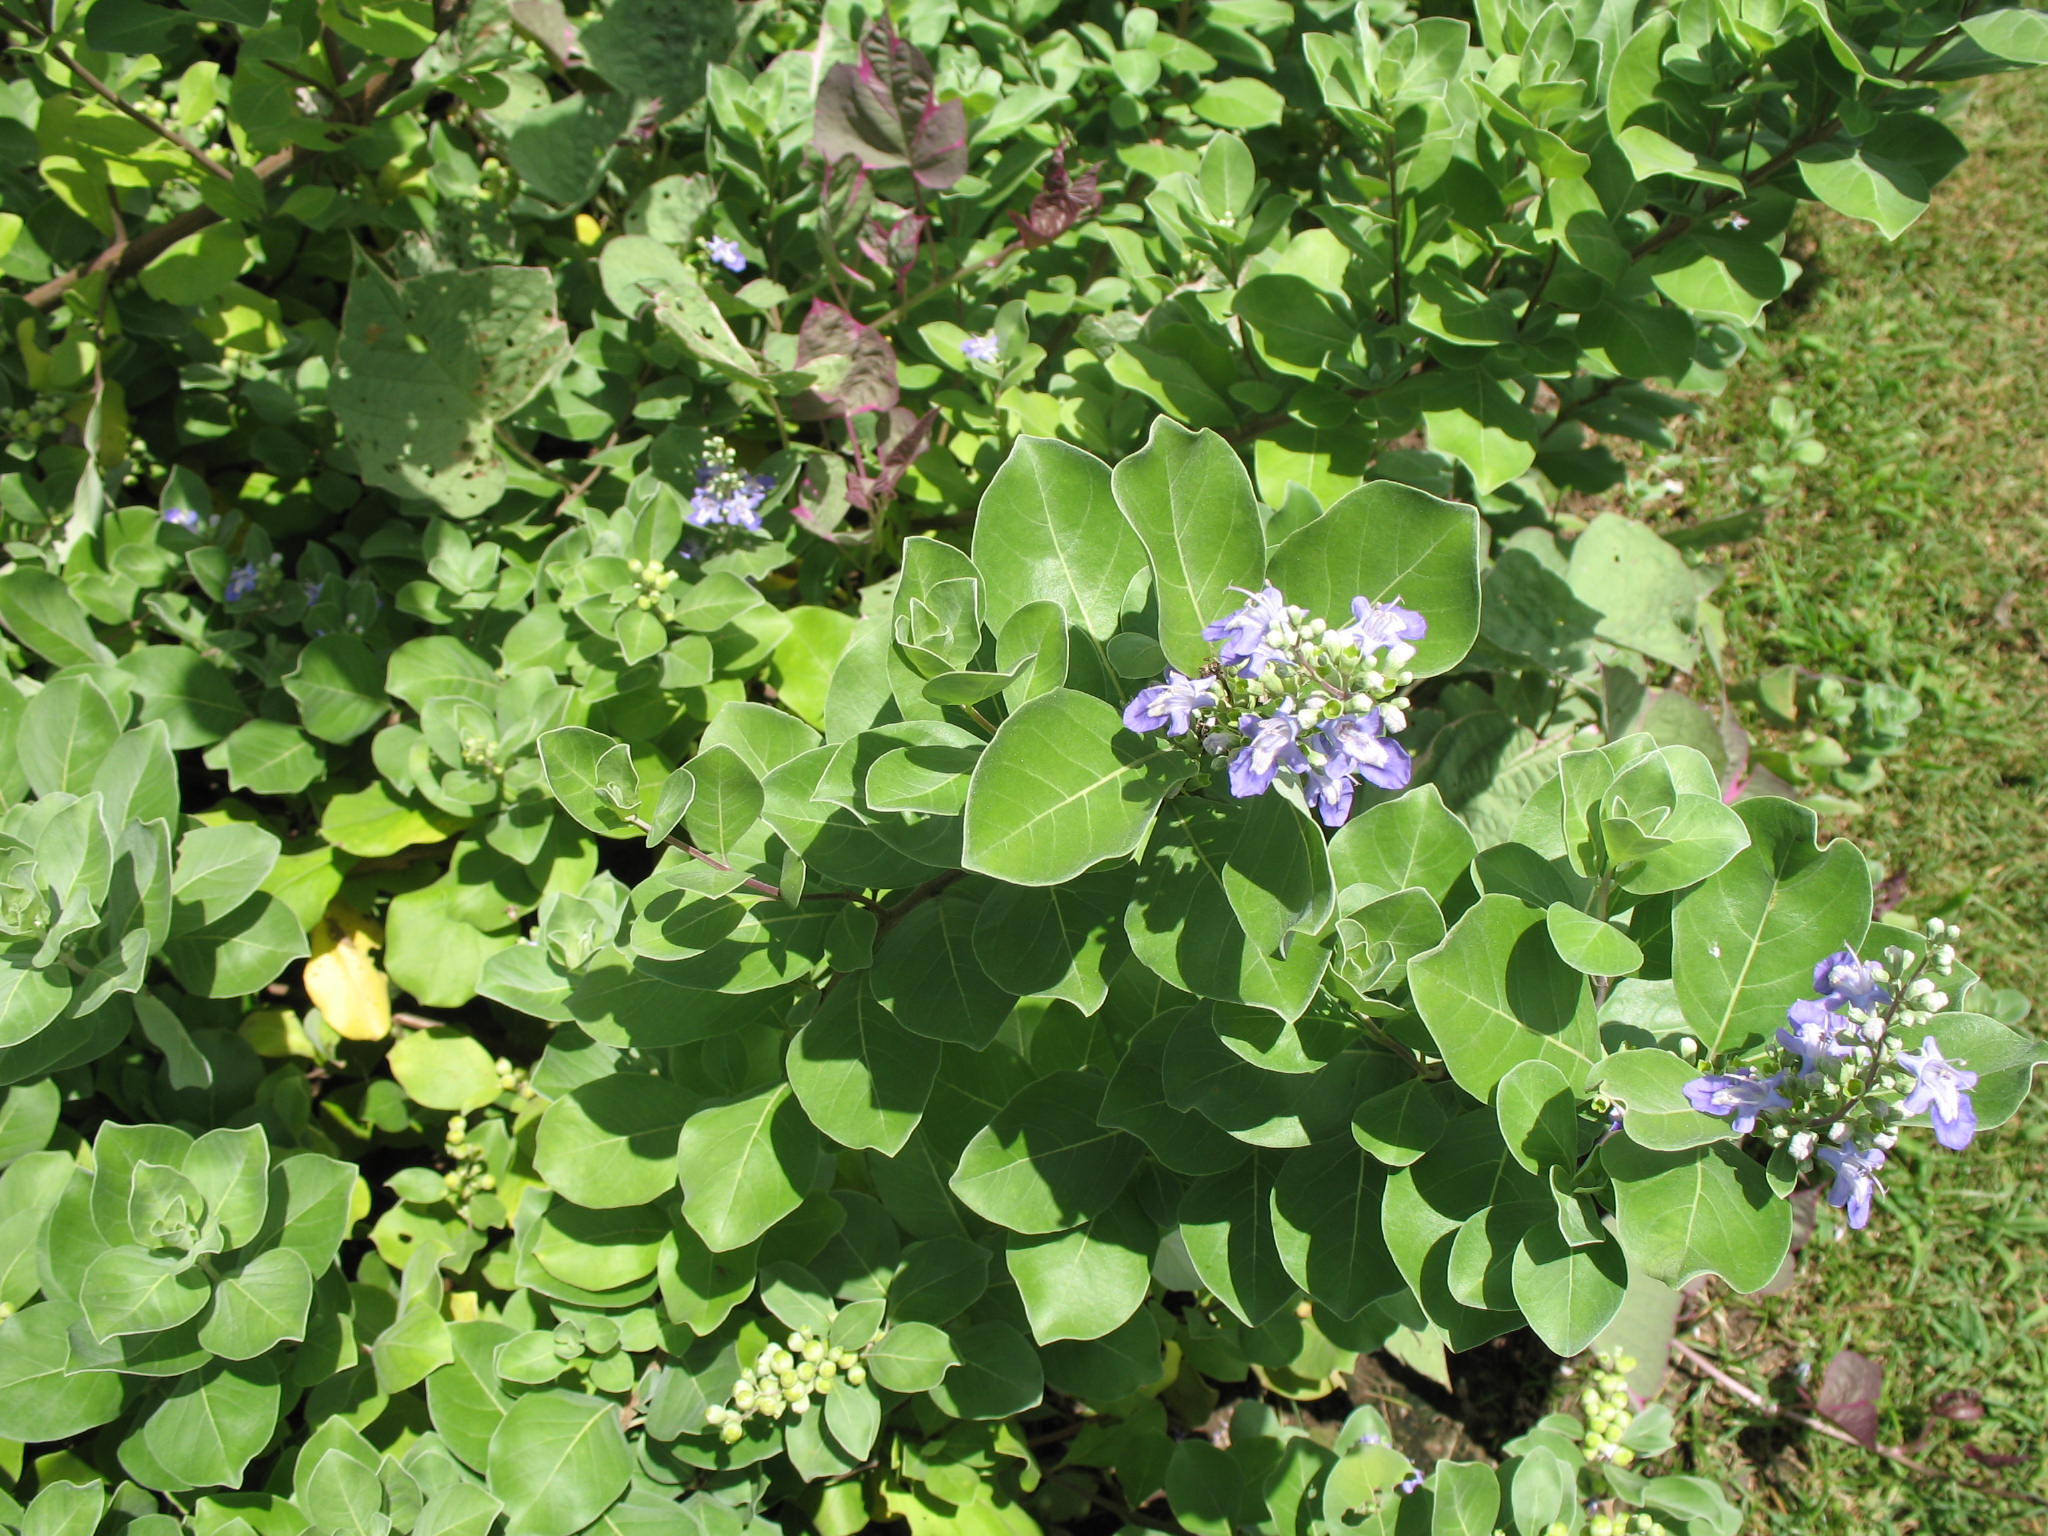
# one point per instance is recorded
(726, 253)
(1367, 752)
(1331, 789)
(182, 517)
(241, 582)
(725, 496)
(1740, 1094)
(1856, 1181)
(981, 349)
(1383, 627)
(1941, 1089)
(1171, 704)
(1846, 982)
(1272, 748)
(1816, 1035)
(1409, 1483)
(1242, 633)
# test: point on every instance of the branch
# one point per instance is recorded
(114, 99)
(125, 257)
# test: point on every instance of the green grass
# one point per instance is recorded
(1918, 553)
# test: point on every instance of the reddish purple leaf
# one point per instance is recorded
(1961, 1404)
(1062, 202)
(870, 383)
(1849, 1390)
(897, 445)
(882, 111)
(893, 246)
(1993, 1458)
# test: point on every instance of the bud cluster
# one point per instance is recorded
(724, 495)
(1605, 1402)
(1295, 694)
(783, 1379)
(654, 578)
(1842, 1076)
(40, 418)
(513, 1079)
(1619, 1523)
(469, 1177)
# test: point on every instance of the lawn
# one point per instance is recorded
(1917, 553)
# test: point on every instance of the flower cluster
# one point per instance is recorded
(723, 494)
(981, 349)
(1295, 695)
(242, 582)
(726, 253)
(1843, 1077)
(784, 1379)
(182, 517)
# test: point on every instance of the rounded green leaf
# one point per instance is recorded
(612, 1142)
(444, 1068)
(558, 1460)
(339, 686)
(744, 1166)
(911, 1357)
(861, 1077)
(1085, 1283)
(1063, 787)
(1044, 1164)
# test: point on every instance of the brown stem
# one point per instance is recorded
(114, 99)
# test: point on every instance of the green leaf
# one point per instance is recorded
(1495, 994)
(39, 1402)
(39, 611)
(259, 1306)
(861, 1077)
(67, 731)
(212, 1425)
(1053, 941)
(726, 803)
(744, 1166)
(1587, 944)
(1649, 1085)
(1387, 542)
(1430, 1202)
(1718, 277)
(574, 764)
(1087, 1282)
(1187, 496)
(1476, 419)
(1217, 879)
(444, 1068)
(940, 1278)
(1413, 840)
(267, 757)
(1704, 1211)
(1241, 102)
(240, 952)
(612, 1142)
(434, 953)
(339, 686)
(425, 371)
(911, 1357)
(1868, 180)
(999, 1374)
(372, 824)
(1063, 787)
(1326, 1227)
(1227, 1223)
(558, 1460)
(1044, 1164)
(1744, 943)
(926, 976)
(128, 1291)
(1539, 1116)
(1048, 529)
(195, 699)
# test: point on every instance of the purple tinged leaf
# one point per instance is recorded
(1849, 1390)
(881, 111)
(900, 441)
(1061, 203)
(893, 246)
(870, 381)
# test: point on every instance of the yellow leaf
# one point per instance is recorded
(588, 230)
(276, 1032)
(341, 978)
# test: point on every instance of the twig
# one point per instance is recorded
(113, 98)
(1702, 1366)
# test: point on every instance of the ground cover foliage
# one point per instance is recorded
(606, 913)
(1903, 358)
